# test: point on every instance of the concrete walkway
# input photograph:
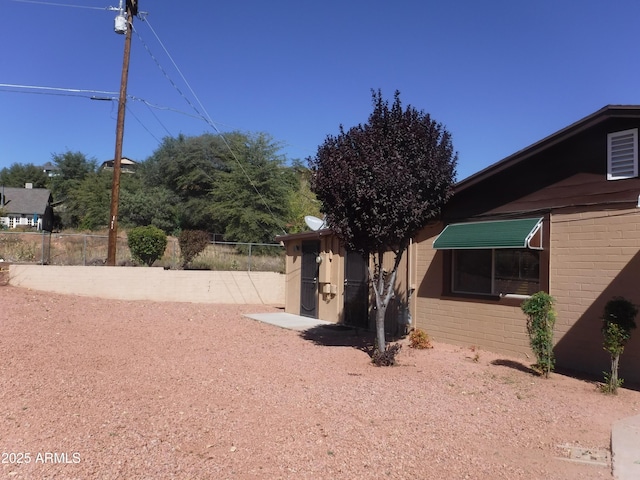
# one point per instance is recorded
(288, 320)
(625, 448)
(625, 434)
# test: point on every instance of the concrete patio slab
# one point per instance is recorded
(625, 448)
(288, 320)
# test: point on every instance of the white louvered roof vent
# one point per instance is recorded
(622, 154)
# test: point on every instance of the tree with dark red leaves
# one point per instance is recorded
(380, 183)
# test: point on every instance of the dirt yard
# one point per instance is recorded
(100, 389)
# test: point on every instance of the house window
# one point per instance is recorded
(495, 257)
(622, 154)
(496, 271)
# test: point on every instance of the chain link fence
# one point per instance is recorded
(88, 249)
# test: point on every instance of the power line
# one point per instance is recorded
(158, 119)
(87, 93)
(206, 115)
(61, 4)
(206, 118)
(100, 95)
(165, 74)
(143, 125)
(57, 89)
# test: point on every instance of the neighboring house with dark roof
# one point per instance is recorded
(50, 169)
(562, 216)
(126, 165)
(24, 207)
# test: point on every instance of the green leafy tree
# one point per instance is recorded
(87, 202)
(73, 167)
(142, 205)
(617, 322)
(17, 175)
(541, 318)
(302, 201)
(380, 183)
(251, 198)
(188, 168)
(147, 244)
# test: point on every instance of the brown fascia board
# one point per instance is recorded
(304, 235)
(610, 111)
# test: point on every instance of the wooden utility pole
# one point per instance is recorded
(132, 9)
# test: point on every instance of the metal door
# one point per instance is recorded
(356, 291)
(309, 275)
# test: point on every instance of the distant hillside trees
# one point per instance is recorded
(302, 201)
(187, 167)
(239, 186)
(17, 175)
(250, 197)
(73, 168)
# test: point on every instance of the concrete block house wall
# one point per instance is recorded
(595, 257)
(330, 293)
(590, 246)
(327, 291)
(463, 321)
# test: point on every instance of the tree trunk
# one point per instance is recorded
(383, 288)
(380, 315)
(613, 379)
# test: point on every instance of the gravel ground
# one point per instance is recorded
(102, 389)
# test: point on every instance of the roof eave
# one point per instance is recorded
(609, 111)
(304, 235)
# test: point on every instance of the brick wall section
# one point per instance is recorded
(483, 324)
(594, 257)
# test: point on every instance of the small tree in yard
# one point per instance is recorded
(617, 323)
(147, 244)
(541, 318)
(380, 183)
(192, 242)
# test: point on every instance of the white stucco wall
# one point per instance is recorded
(156, 284)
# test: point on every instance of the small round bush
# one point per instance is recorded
(419, 339)
(147, 244)
(192, 242)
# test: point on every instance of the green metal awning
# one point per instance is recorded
(520, 233)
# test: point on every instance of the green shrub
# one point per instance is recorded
(419, 339)
(617, 322)
(192, 242)
(540, 321)
(147, 244)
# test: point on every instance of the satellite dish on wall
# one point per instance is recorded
(314, 223)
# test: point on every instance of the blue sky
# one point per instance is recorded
(500, 75)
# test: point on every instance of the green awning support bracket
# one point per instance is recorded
(519, 233)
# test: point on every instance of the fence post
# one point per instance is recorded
(173, 255)
(249, 259)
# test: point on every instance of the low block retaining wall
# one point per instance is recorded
(155, 284)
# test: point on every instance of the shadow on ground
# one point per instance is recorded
(516, 366)
(339, 336)
(585, 377)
